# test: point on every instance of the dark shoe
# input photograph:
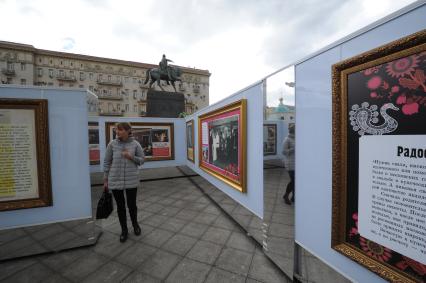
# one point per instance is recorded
(286, 200)
(292, 198)
(123, 237)
(137, 229)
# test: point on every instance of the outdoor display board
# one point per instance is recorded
(25, 180)
(222, 144)
(379, 159)
(156, 139)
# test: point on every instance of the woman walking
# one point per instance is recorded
(122, 158)
(289, 154)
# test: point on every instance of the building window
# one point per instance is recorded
(23, 67)
(100, 77)
(61, 73)
(127, 107)
(118, 79)
(50, 84)
(126, 79)
(71, 85)
(61, 84)
(51, 73)
(91, 88)
(71, 64)
(62, 62)
(39, 60)
(104, 91)
(71, 73)
(40, 72)
(23, 81)
(91, 76)
(134, 80)
(51, 62)
(118, 107)
(135, 94)
(81, 86)
(135, 108)
(81, 66)
(109, 78)
(10, 66)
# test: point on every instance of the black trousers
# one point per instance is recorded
(290, 186)
(121, 206)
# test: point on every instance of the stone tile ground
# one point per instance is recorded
(185, 238)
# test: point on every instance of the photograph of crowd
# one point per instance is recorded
(223, 144)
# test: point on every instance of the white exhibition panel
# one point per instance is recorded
(314, 139)
(282, 132)
(179, 140)
(253, 198)
(69, 158)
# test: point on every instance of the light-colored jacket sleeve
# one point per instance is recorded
(108, 160)
(287, 147)
(139, 157)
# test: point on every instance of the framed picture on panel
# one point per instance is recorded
(222, 144)
(269, 139)
(379, 159)
(25, 180)
(94, 152)
(156, 139)
(190, 140)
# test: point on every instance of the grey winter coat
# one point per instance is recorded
(123, 173)
(289, 152)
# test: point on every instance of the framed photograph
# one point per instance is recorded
(25, 180)
(156, 139)
(379, 159)
(94, 152)
(190, 140)
(269, 139)
(222, 144)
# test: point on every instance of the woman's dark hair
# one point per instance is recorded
(124, 126)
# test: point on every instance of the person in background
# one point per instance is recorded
(289, 154)
(122, 158)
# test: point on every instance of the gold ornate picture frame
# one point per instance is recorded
(25, 178)
(156, 139)
(371, 82)
(222, 144)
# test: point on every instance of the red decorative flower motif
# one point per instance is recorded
(410, 108)
(401, 67)
(402, 99)
(354, 230)
(416, 266)
(375, 250)
(374, 82)
(395, 89)
(373, 94)
(372, 70)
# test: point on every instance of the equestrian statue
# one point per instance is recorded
(167, 73)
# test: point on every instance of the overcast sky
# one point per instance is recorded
(238, 41)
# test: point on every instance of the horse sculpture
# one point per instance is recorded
(156, 75)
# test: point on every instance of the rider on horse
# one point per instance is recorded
(164, 68)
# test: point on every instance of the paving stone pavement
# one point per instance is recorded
(185, 238)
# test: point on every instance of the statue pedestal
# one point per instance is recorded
(164, 104)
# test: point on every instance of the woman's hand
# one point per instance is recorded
(126, 154)
(106, 184)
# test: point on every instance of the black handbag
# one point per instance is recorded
(105, 206)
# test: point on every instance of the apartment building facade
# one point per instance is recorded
(118, 84)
